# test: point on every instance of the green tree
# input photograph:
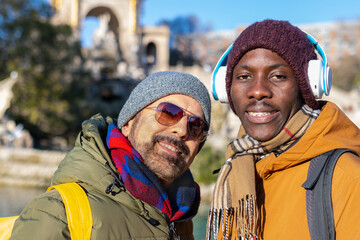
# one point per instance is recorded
(49, 97)
(206, 162)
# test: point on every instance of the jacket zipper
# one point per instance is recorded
(172, 229)
(173, 234)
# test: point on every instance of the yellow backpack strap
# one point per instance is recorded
(78, 211)
(6, 226)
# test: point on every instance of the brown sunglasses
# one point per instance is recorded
(169, 114)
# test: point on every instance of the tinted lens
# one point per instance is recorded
(167, 113)
(197, 128)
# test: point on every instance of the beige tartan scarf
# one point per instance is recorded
(234, 213)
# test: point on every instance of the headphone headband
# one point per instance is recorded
(319, 74)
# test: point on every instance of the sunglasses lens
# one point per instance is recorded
(167, 113)
(197, 128)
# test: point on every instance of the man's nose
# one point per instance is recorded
(180, 128)
(260, 88)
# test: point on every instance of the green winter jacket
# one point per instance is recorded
(119, 216)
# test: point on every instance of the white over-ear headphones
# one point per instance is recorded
(319, 74)
(218, 83)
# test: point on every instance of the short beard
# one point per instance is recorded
(166, 167)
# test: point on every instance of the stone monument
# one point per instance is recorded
(11, 135)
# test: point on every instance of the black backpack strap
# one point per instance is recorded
(319, 209)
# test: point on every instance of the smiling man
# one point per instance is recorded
(135, 171)
(259, 193)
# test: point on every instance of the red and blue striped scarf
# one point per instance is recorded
(183, 201)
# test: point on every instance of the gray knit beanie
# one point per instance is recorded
(161, 84)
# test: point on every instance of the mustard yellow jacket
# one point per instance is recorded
(283, 211)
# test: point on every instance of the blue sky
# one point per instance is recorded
(228, 14)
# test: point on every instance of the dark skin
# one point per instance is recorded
(265, 93)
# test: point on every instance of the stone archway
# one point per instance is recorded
(107, 32)
(155, 41)
(123, 20)
(151, 54)
(131, 38)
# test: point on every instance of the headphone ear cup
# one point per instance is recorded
(328, 80)
(319, 72)
(219, 85)
(315, 72)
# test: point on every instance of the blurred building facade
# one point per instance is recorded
(339, 38)
(134, 49)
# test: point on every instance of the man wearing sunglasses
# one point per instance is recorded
(135, 170)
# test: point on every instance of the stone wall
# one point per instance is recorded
(28, 167)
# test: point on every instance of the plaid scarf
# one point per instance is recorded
(233, 213)
(182, 202)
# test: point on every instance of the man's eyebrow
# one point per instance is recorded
(271, 66)
(242, 66)
(280, 65)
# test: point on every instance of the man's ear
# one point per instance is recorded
(126, 128)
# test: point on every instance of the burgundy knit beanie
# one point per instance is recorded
(288, 41)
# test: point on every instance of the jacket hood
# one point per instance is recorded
(89, 164)
(87, 161)
(331, 130)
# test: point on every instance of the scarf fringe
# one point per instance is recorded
(234, 222)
